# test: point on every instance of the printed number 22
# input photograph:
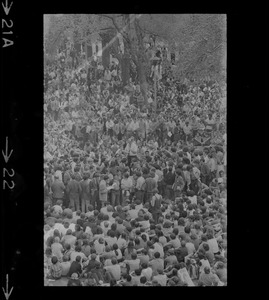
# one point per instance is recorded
(6, 183)
(10, 175)
(5, 170)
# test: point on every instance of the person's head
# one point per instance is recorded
(78, 258)
(114, 261)
(172, 236)
(204, 238)
(128, 278)
(143, 280)
(113, 282)
(107, 248)
(115, 246)
(56, 239)
(183, 243)
(207, 270)
(206, 247)
(78, 248)
(157, 255)
(134, 256)
(187, 229)
(54, 260)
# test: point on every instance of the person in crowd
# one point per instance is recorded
(73, 189)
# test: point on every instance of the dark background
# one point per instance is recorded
(22, 121)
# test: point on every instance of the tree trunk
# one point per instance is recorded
(125, 69)
(141, 61)
(106, 57)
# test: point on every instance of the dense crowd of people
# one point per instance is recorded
(134, 188)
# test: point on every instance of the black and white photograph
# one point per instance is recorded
(135, 145)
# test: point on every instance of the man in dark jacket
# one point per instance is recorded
(85, 193)
(57, 189)
(73, 190)
(155, 207)
(150, 187)
(75, 267)
(181, 252)
(169, 179)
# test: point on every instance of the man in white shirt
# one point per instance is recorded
(58, 174)
(161, 278)
(114, 270)
(131, 149)
(158, 247)
(146, 271)
(99, 246)
(133, 212)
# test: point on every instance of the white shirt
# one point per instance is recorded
(121, 243)
(59, 174)
(205, 263)
(60, 227)
(158, 248)
(213, 245)
(133, 149)
(100, 248)
(190, 247)
(147, 273)
(161, 279)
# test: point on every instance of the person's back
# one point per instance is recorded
(182, 252)
(151, 185)
(169, 178)
(65, 267)
(155, 264)
(147, 272)
(158, 248)
(171, 260)
(207, 278)
(175, 243)
(136, 279)
(75, 254)
(133, 213)
(115, 270)
(57, 188)
(75, 267)
(134, 264)
(213, 245)
(222, 274)
(144, 258)
(73, 187)
(161, 279)
(85, 189)
(99, 247)
(69, 239)
(190, 247)
(57, 249)
(110, 241)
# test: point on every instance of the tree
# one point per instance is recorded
(199, 39)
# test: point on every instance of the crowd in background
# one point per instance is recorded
(134, 188)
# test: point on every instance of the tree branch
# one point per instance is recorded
(119, 30)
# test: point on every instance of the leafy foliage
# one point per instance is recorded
(200, 39)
